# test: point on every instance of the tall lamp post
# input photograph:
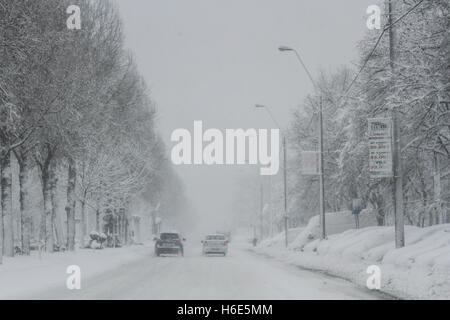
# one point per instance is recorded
(321, 175)
(284, 173)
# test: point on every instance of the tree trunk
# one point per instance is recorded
(70, 207)
(97, 220)
(380, 218)
(424, 201)
(126, 232)
(437, 189)
(46, 232)
(379, 204)
(97, 216)
(6, 204)
(25, 213)
(1, 228)
(154, 232)
(56, 217)
(83, 220)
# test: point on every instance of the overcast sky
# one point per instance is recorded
(212, 60)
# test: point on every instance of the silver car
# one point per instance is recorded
(215, 244)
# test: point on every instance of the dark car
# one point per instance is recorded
(169, 243)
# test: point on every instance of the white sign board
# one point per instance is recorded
(380, 147)
(310, 162)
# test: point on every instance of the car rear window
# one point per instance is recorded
(215, 237)
(169, 236)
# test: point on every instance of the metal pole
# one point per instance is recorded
(285, 193)
(321, 175)
(398, 175)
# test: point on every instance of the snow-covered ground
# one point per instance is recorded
(28, 276)
(420, 270)
(135, 273)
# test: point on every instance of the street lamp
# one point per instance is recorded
(284, 48)
(321, 175)
(284, 172)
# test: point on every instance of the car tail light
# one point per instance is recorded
(178, 240)
(158, 240)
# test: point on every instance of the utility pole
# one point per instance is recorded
(321, 174)
(285, 193)
(398, 174)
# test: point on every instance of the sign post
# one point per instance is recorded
(356, 210)
(380, 147)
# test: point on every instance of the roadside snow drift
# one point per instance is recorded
(336, 222)
(420, 270)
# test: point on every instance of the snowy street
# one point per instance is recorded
(224, 150)
(240, 275)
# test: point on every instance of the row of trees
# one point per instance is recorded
(75, 115)
(418, 88)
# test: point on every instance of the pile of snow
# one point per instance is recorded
(280, 239)
(420, 270)
(336, 222)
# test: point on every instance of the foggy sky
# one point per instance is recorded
(212, 60)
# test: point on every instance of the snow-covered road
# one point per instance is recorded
(240, 275)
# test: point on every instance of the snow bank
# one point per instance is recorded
(420, 270)
(24, 277)
(279, 239)
(336, 222)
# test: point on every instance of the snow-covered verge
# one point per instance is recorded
(23, 277)
(279, 240)
(336, 222)
(420, 270)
